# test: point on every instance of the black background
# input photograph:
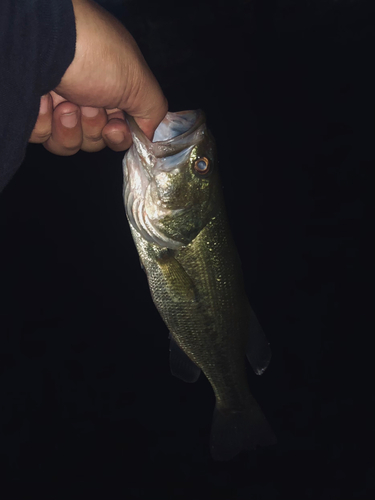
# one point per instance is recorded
(86, 394)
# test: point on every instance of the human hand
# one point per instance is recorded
(108, 74)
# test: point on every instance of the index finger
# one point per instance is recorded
(43, 125)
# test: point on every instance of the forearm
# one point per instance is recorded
(37, 44)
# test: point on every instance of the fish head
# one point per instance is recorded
(171, 182)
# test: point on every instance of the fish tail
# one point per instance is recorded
(234, 431)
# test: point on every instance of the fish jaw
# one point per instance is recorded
(150, 169)
(138, 184)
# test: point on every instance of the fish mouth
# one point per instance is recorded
(176, 132)
(173, 139)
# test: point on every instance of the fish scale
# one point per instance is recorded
(194, 273)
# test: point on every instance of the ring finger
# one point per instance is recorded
(93, 121)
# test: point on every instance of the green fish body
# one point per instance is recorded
(176, 212)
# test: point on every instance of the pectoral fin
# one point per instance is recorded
(181, 365)
(180, 288)
(178, 282)
(258, 351)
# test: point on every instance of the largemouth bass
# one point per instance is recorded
(175, 208)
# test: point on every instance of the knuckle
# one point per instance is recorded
(92, 148)
(94, 137)
(118, 147)
(41, 135)
(70, 144)
(60, 151)
(71, 149)
(65, 149)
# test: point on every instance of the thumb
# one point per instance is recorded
(146, 103)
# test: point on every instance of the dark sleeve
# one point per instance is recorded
(37, 44)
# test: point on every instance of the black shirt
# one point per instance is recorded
(37, 44)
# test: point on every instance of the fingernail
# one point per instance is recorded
(116, 137)
(69, 120)
(43, 108)
(89, 111)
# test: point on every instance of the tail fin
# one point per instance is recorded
(235, 431)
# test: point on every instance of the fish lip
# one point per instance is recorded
(169, 147)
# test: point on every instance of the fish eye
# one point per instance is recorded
(202, 165)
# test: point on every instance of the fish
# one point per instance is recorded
(176, 212)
